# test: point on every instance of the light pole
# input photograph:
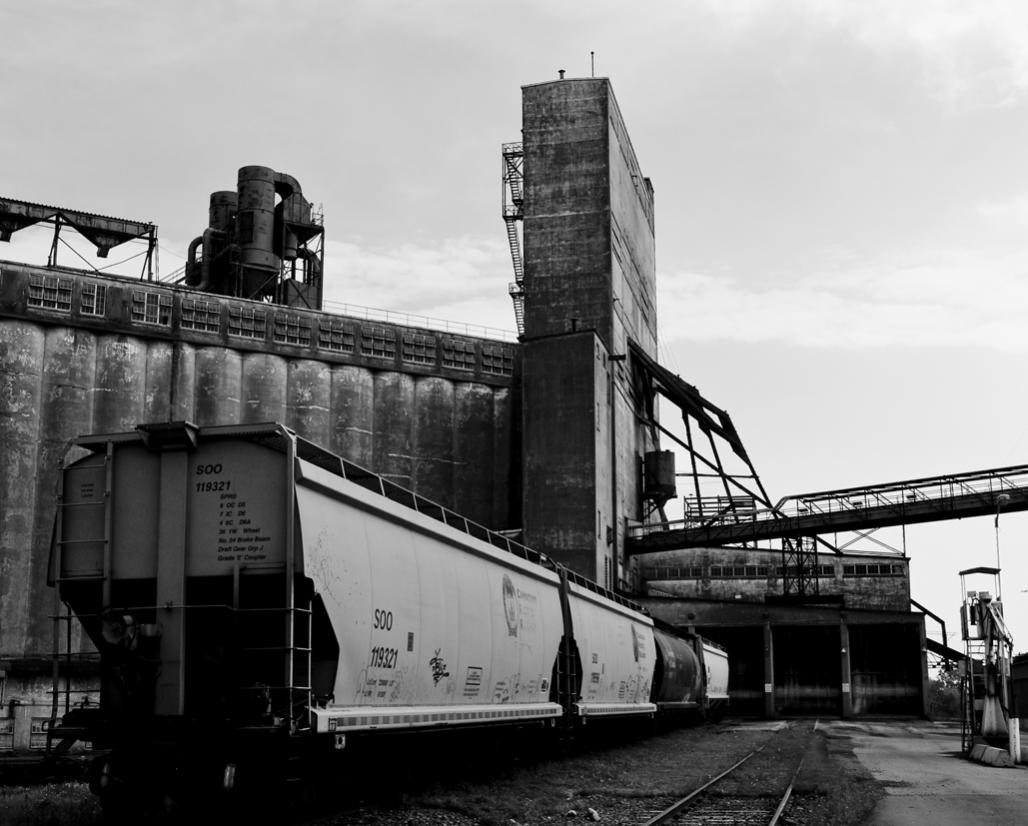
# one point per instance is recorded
(1000, 501)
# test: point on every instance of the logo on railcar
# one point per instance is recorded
(638, 644)
(511, 607)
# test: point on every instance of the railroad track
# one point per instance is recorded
(729, 798)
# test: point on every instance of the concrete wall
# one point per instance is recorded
(567, 208)
(446, 431)
(563, 445)
(588, 217)
(26, 700)
(632, 241)
(589, 286)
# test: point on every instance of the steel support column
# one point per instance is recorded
(846, 676)
(769, 671)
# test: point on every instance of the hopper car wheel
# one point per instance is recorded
(114, 790)
(125, 793)
(101, 775)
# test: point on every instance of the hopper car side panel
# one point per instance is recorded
(233, 497)
(237, 510)
(617, 654)
(132, 477)
(84, 520)
(715, 661)
(440, 630)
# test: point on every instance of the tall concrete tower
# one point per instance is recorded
(589, 288)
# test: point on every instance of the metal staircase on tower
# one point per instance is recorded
(512, 203)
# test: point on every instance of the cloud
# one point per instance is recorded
(970, 55)
(1011, 213)
(462, 280)
(925, 300)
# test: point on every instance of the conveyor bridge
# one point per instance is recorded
(931, 499)
(102, 230)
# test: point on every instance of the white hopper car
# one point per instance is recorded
(255, 598)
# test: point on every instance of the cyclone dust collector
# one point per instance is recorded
(263, 242)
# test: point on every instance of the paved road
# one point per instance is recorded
(926, 779)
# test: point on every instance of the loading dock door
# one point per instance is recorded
(885, 669)
(807, 669)
(745, 648)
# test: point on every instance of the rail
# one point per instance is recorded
(703, 806)
(674, 809)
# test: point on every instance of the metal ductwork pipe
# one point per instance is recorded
(286, 185)
(208, 257)
(223, 208)
(198, 273)
(255, 231)
(194, 275)
(294, 209)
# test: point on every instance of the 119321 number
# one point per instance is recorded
(383, 657)
(218, 485)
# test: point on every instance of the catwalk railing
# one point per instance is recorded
(931, 499)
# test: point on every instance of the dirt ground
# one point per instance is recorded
(619, 779)
(624, 784)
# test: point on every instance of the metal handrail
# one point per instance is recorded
(983, 485)
(414, 320)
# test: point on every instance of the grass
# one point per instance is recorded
(51, 804)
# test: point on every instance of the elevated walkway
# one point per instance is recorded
(931, 499)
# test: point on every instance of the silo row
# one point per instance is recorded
(448, 440)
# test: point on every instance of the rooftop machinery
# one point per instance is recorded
(258, 249)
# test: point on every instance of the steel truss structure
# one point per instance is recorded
(102, 230)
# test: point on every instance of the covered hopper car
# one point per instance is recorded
(258, 600)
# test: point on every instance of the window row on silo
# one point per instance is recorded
(243, 321)
(752, 571)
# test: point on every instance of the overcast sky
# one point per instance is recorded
(841, 193)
